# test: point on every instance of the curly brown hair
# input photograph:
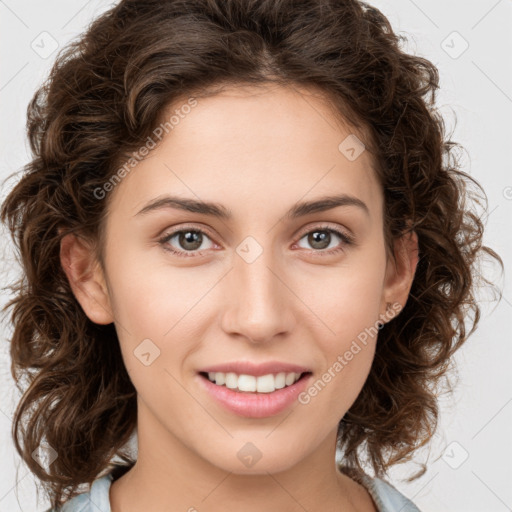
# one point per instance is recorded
(102, 100)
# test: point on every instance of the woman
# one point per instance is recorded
(241, 240)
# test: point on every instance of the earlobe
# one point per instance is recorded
(401, 270)
(86, 278)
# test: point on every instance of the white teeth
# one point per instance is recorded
(246, 382)
(280, 380)
(290, 379)
(263, 384)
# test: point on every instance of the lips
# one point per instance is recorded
(254, 405)
(257, 370)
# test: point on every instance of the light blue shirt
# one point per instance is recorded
(386, 497)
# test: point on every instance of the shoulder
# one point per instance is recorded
(386, 497)
(95, 500)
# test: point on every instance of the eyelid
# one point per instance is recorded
(325, 226)
(164, 238)
(346, 237)
(184, 227)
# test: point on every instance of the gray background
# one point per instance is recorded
(469, 459)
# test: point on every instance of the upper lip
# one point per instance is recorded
(249, 368)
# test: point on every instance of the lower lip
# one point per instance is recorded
(255, 405)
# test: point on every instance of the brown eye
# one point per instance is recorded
(319, 239)
(185, 241)
(190, 240)
(323, 240)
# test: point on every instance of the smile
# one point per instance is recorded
(251, 383)
(253, 403)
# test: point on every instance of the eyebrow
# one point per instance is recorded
(218, 210)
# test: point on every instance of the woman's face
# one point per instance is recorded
(266, 282)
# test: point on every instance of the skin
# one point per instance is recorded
(258, 152)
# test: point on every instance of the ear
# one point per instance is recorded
(400, 272)
(86, 278)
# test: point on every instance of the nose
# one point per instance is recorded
(258, 305)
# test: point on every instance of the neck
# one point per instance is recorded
(171, 476)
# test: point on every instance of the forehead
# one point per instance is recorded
(252, 146)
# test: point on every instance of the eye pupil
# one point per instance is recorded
(323, 238)
(190, 240)
(190, 237)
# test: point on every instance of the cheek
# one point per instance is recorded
(346, 300)
(149, 304)
(159, 303)
(151, 297)
(347, 347)
(346, 304)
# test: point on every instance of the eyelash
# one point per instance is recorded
(345, 238)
